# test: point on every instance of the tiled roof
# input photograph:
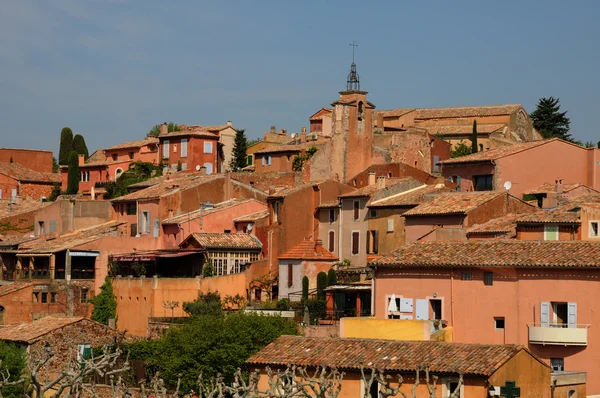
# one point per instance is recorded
(16, 240)
(72, 240)
(98, 162)
(454, 203)
(282, 192)
(218, 127)
(464, 129)
(22, 173)
(396, 112)
(505, 225)
(192, 215)
(134, 144)
(370, 190)
(13, 287)
(32, 331)
(412, 197)
(550, 187)
(227, 241)
(191, 131)
(308, 250)
(292, 147)
(466, 111)
(567, 212)
(165, 186)
(330, 204)
(259, 215)
(497, 153)
(495, 253)
(319, 114)
(350, 353)
(25, 206)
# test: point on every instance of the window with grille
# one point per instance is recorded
(557, 364)
(488, 278)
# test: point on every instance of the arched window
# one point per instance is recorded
(360, 110)
(1, 315)
(118, 173)
(572, 394)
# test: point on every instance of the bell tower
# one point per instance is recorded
(352, 129)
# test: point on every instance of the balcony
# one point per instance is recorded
(558, 334)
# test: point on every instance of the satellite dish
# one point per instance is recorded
(197, 167)
(250, 226)
(508, 185)
(293, 135)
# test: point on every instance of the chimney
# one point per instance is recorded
(202, 170)
(164, 128)
(229, 124)
(318, 244)
(228, 186)
(550, 201)
(170, 213)
(381, 182)
(81, 160)
(283, 131)
(273, 129)
(271, 190)
(558, 187)
(303, 135)
(371, 179)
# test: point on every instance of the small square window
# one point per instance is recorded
(373, 213)
(557, 364)
(44, 298)
(208, 148)
(84, 296)
(488, 278)
(467, 276)
(499, 323)
(131, 155)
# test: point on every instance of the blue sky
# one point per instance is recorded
(111, 69)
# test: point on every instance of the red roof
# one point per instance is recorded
(309, 250)
(495, 253)
(22, 173)
(466, 111)
(390, 355)
(499, 153)
(454, 203)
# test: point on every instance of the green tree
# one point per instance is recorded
(14, 361)
(474, 147)
(321, 285)
(305, 287)
(66, 146)
(299, 160)
(56, 192)
(240, 147)
(331, 277)
(155, 130)
(55, 166)
(549, 121)
(206, 304)
(225, 343)
(73, 177)
(105, 303)
(179, 165)
(460, 149)
(137, 172)
(80, 146)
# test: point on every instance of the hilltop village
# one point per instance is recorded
(363, 228)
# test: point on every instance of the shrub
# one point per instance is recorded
(321, 285)
(331, 277)
(305, 288)
(283, 304)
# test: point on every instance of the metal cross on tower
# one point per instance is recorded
(353, 81)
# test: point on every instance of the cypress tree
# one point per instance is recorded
(331, 277)
(305, 286)
(79, 145)
(474, 148)
(321, 285)
(105, 304)
(73, 176)
(240, 146)
(66, 146)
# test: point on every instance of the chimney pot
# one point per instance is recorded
(303, 129)
(303, 136)
(381, 182)
(164, 128)
(271, 190)
(273, 129)
(371, 179)
(318, 243)
(283, 131)
(229, 123)
(202, 170)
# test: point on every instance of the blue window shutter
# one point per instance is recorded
(545, 314)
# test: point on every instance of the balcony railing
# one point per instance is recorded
(558, 334)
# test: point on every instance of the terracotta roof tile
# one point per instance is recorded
(466, 111)
(275, 148)
(464, 129)
(351, 353)
(568, 212)
(8, 209)
(163, 186)
(12, 287)
(226, 241)
(505, 225)
(218, 207)
(550, 187)
(454, 203)
(330, 204)
(259, 215)
(495, 253)
(22, 173)
(498, 153)
(32, 331)
(72, 240)
(412, 197)
(217, 127)
(191, 131)
(309, 250)
(282, 192)
(372, 189)
(134, 144)
(396, 112)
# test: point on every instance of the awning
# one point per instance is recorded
(83, 254)
(131, 258)
(174, 255)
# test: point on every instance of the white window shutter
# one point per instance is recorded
(262, 160)
(422, 311)
(572, 315)
(545, 314)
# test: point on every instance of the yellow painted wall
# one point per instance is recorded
(387, 329)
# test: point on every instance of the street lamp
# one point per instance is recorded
(491, 391)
